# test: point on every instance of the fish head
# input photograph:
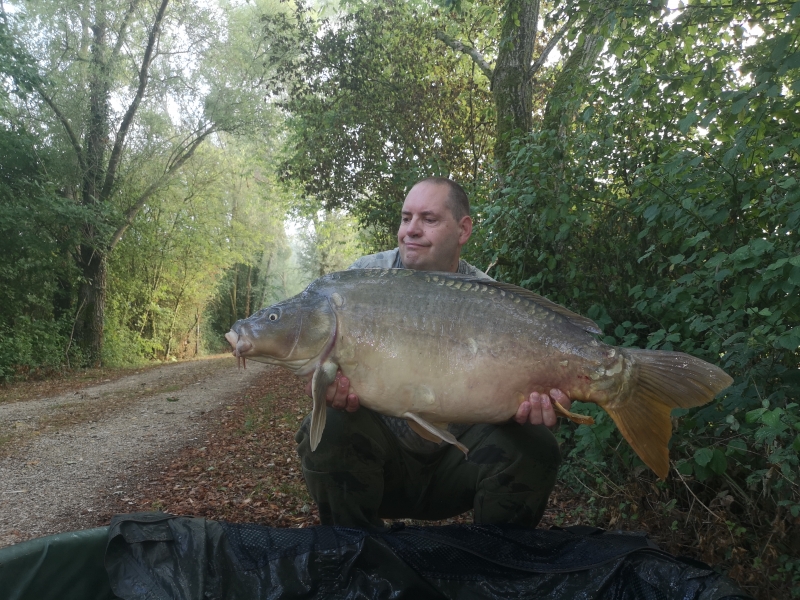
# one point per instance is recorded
(294, 333)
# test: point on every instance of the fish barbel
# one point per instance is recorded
(439, 348)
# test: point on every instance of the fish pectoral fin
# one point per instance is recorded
(433, 433)
(324, 375)
(574, 417)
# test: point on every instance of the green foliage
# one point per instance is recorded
(259, 268)
(16, 65)
(69, 91)
(220, 218)
(32, 345)
(331, 242)
(117, 98)
(669, 211)
(37, 229)
(382, 103)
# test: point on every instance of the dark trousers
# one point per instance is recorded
(360, 473)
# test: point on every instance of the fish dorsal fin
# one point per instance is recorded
(578, 320)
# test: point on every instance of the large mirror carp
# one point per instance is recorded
(439, 348)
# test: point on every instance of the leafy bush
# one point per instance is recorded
(669, 212)
(125, 348)
(32, 345)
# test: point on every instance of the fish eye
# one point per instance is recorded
(273, 316)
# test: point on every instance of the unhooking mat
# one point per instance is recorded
(153, 556)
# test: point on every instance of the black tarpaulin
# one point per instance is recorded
(156, 556)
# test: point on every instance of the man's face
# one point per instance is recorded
(429, 237)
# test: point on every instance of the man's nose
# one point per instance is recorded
(414, 228)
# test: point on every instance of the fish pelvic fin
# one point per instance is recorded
(432, 433)
(660, 381)
(574, 417)
(324, 375)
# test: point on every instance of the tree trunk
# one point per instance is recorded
(92, 254)
(249, 291)
(265, 289)
(232, 295)
(99, 94)
(172, 329)
(284, 284)
(511, 84)
(92, 297)
(566, 96)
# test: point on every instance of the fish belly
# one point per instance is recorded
(445, 372)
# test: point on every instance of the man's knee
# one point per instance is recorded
(344, 474)
(517, 446)
(518, 466)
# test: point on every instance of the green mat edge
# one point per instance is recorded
(64, 566)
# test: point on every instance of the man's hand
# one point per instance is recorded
(338, 393)
(538, 408)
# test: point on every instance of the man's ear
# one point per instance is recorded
(465, 225)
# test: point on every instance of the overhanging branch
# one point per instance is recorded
(73, 139)
(123, 28)
(172, 168)
(473, 53)
(549, 48)
(144, 76)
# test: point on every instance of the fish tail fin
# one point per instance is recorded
(658, 382)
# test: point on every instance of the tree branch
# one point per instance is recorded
(124, 127)
(123, 27)
(76, 144)
(549, 48)
(458, 46)
(169, 173)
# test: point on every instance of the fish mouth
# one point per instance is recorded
(240, 345)
(232, 338)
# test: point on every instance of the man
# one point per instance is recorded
(368, 467)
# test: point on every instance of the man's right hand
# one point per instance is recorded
(338, 393)
(538, 408)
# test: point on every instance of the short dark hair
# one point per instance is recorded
(456, 199)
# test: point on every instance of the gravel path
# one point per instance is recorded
(72, 453)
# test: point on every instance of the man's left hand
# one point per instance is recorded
(538, 408)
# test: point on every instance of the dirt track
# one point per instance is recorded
(64, 458)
